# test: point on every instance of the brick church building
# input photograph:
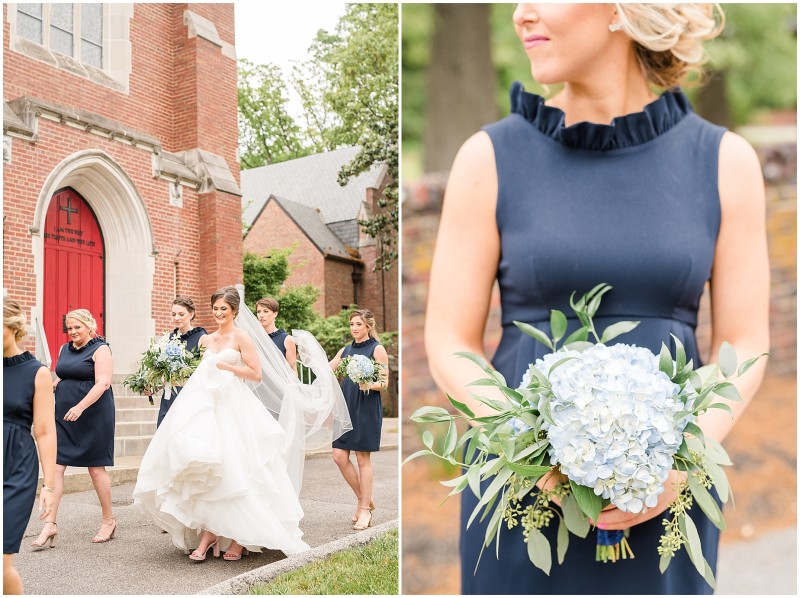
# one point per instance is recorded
(121, 178)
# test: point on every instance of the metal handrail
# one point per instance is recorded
(42, 349)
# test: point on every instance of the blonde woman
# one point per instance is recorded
(84, 417)
(366, 413)
(27, 401)
(605, 181)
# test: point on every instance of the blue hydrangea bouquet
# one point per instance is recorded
(167, 362)
(609, 423)
(360, 369)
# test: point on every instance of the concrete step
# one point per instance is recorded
(140, 414)
(131, 446)
(134, 402)
(143, 428)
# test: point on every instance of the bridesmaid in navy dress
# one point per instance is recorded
(554, 199)
(85, 414)
(266, 311)
(366, 413)
(183, 314)
(27, 401)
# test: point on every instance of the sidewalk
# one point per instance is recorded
(140, 560)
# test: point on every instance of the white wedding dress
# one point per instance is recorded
(218, 463)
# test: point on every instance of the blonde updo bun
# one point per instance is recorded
(668, 38)
(14, 318)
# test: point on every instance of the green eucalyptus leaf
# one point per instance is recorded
(665, 363)
(476, 359)
(484, 382)
(577, 306)
(727, 359)
(574, 518)
(422, 453)
(528, 470)
(558, 324)
(461, 407)
(558, 363)
(451, 439)
(716, 453)
(508, 445)
(613, 331)
(492, 491)
(727, 391)
(664, 563)
(693, 545)
(460, 487)
(588, 501)
(431, 414)
(515, 396)
(695, 431)
(539, 550)
(544, 410)
(723, 406)
(748, 364)
(719, 478)
(474, 480)
(579, 346)
(535, 333)
(594, 297)
(562, 541)
(427, 439)
(453, 482)
(706, 502)
(708, 575)
(680, 354)
(581, 334)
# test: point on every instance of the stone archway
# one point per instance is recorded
(130, 263)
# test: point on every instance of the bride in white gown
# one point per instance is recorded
(221, 472)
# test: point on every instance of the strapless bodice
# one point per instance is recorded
(230, 356)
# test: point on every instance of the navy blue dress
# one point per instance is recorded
(89, 440)
(279, 338)
(366, 409)
(191, 338)
(20, 460)
(633, 204)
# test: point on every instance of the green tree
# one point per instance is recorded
(267, 132)
(265, 275)
(359, 66)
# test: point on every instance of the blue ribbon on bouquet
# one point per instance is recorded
(612, 545)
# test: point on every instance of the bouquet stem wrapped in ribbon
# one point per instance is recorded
(610, 422)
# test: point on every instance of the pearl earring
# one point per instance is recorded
(614, 27)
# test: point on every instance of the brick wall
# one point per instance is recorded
(183, 93)
(275, 229)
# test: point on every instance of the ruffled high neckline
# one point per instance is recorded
(658, 117)
(275, 333)
(189, 334)
(92, 341)
(25, 356)
(365, 343)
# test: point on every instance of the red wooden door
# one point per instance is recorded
(73, 266)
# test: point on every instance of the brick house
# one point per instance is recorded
(300, 203)
(120, 185)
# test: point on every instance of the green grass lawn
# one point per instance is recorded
(369, 569)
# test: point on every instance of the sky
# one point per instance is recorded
(281, 32)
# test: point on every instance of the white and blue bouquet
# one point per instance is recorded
(360, 369)
(609, 422)
(167, 362)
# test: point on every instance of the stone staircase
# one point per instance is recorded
(135, 422)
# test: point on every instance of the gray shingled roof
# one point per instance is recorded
(310, 181)
(310, 222)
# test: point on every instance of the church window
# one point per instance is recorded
(74, 30)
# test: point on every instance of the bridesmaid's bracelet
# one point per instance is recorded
(48, 488)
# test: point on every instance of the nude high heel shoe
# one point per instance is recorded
(39, 543)
(201, 557)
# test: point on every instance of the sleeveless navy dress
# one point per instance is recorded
(634, 204)
(20, 460)
(279, 338)
(191, 338)
(88, 441)
(366, 409)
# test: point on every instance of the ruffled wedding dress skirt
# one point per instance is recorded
(216, 464)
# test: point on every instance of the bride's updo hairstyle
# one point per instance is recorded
(231, 297)
(668, 38)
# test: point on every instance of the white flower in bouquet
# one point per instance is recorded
(361, 369)
(614, 427)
